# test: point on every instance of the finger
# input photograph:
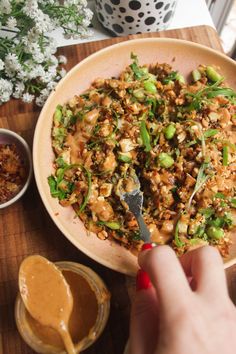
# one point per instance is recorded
(166, 274)
(205, 265)
(144, 322)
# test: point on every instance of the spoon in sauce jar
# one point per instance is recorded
(47, 296)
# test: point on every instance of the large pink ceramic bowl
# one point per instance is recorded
(183, 56)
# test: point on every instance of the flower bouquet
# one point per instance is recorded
(29, 68)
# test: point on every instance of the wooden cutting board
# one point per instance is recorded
(26, 228)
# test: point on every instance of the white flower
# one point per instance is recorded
(5, 6)
(62, 72)
(5, 90)
(18, 89)
(11, 62)
(51, 85)
(40, 101)
(30, 58)
(1, 64)
(11, 23)
(27, 98)
(62, 59)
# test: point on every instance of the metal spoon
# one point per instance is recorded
(134, 200)
(47, 296)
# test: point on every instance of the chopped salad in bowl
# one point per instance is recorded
(177, 137)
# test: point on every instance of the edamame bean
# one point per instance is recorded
(196, 75)
(57, 115)
(165, 160)
(180, 78)
(212, 74)
(139, 93)
(215, 232)
(150, 87)
(169, 131)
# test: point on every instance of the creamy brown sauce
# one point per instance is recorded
(47, 296)
(83, 316)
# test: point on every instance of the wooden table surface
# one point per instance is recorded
(26, 228)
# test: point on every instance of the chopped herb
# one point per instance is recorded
(233, 202)
(207, 212)
(139, 72)
(170, 77)
(225, 155)
(178, 242)
(220, 195)
(201, 180)
(210, 132)
(145, 136)
(136, 235)
(55, 192)
(113, 225)
(123, 157)
(87, 196)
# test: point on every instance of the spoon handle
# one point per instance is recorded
(66, 337)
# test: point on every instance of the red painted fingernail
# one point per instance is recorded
(146, 246)
(142, 280)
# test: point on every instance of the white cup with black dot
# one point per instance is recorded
(123, 17)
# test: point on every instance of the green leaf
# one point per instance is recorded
(145, 136)
(55, 192)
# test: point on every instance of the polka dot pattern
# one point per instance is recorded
(124, 17)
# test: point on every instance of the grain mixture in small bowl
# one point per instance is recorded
(177, 137)
(15, 167)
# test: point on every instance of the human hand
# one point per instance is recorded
(185, 308)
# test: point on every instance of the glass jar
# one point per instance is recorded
(40, 338)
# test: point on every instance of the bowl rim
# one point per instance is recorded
(69, 74)
(8, 132)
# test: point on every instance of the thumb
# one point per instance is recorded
(144, 321)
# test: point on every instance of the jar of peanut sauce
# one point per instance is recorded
(91, 307)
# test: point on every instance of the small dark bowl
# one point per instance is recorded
(10, 137)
